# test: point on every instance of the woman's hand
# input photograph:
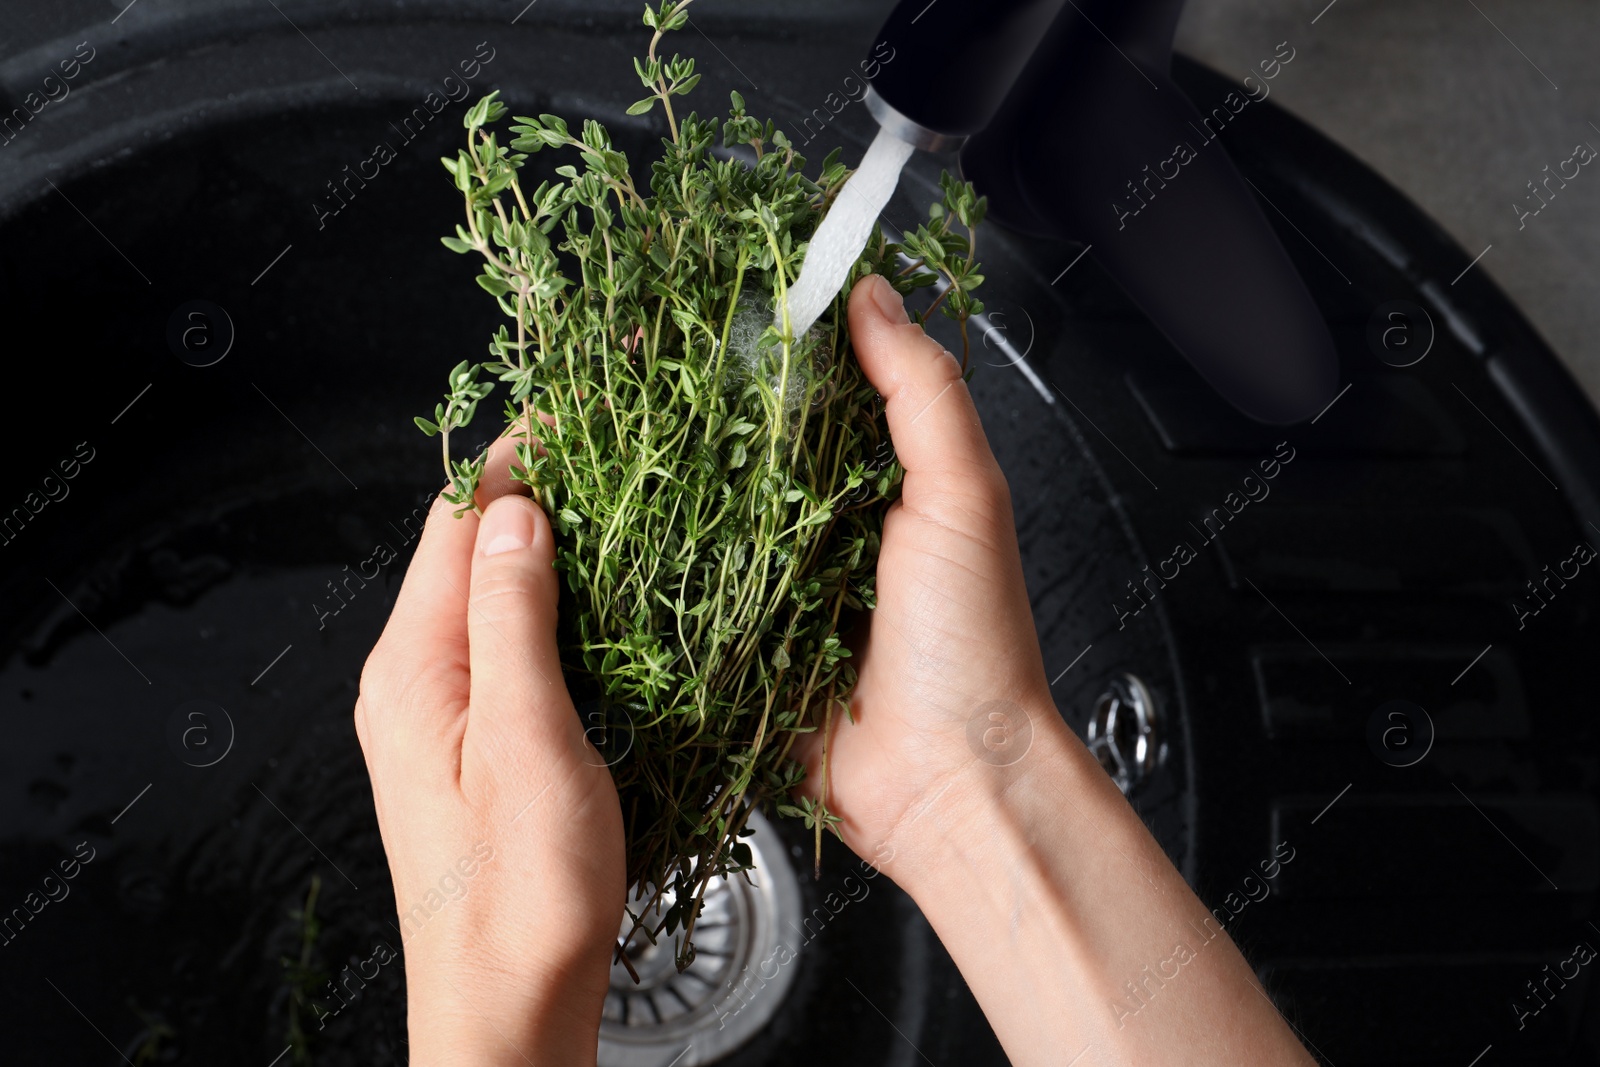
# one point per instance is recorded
(959, 777)
(951, 681)
(500, 820)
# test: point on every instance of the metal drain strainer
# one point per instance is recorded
(736, 983)
(1124, 732)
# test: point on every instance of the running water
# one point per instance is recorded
(838, 242)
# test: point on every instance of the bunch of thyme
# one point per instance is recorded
(707, 475)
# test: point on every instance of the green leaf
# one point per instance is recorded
(639, 107)
(493, 285)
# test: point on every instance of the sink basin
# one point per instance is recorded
(201, 561)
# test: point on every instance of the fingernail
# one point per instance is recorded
(506, 527)
(888, 301)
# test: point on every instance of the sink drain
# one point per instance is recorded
(1123, 732)
(735, 984)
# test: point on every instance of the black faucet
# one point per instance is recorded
(1067, 119)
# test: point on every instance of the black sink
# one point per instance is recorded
(186, 566)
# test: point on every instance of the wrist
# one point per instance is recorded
(1053, 899)
(489, 1018)
(976, 840)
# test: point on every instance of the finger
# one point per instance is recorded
(517, 687)
(937, 435)
(418, 669)
(498, 480)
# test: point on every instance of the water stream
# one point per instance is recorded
(844, 232)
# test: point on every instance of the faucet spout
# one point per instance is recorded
(1068, 120)
(961, 58)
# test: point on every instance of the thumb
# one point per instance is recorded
(937, 435)
(511, 626)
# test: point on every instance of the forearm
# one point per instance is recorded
(1071, 926)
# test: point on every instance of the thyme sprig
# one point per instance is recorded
(715, 485)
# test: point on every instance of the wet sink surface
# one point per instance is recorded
(178, 675)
